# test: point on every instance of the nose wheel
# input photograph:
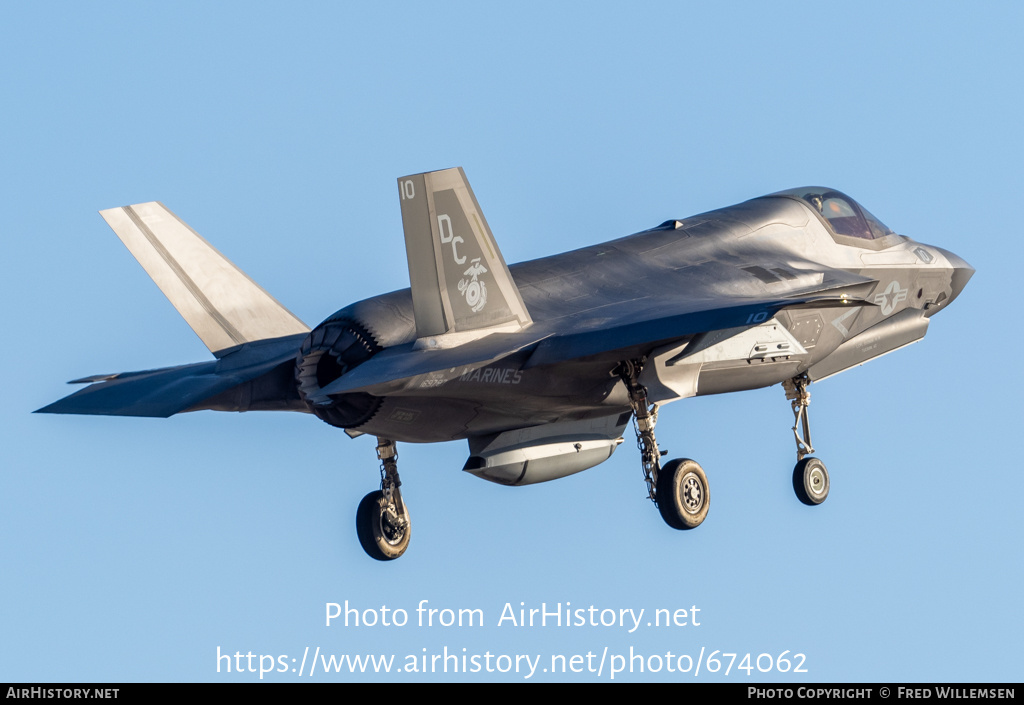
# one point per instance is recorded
(810, 476)
(810, 481)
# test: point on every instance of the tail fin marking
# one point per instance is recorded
(460, 282)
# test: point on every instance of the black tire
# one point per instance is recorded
(376, 538)
(810, 481)
(684, 496)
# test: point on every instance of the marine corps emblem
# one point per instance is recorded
(473, 289)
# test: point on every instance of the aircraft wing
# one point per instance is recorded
(640, 321)
(653, 321)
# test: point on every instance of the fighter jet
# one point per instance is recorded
(540, 366)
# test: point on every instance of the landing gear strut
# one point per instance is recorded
(680, 488)
(810, 476)
(382, 519)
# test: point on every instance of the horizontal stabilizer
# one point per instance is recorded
(168, 391)
(159, 393)
(222, 305)
(404, 362)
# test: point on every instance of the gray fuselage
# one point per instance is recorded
(773, 247)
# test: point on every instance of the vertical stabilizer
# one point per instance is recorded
(222, 305)
(460, 282)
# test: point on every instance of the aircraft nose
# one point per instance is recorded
(962, 273)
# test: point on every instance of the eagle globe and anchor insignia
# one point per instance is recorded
(474, 290)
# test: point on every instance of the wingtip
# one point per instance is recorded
(105, 211)
(94, 378)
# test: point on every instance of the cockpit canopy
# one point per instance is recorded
(843, 214)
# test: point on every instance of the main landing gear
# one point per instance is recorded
(680, 488)
(810, 476)
(382, 519)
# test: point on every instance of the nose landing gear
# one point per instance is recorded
(810, 476)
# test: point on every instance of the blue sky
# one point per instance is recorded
(132, 549)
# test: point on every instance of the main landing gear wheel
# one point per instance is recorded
(810, 480)
(683, 494)
(382, 519)
(680, 489)
(383, 533)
